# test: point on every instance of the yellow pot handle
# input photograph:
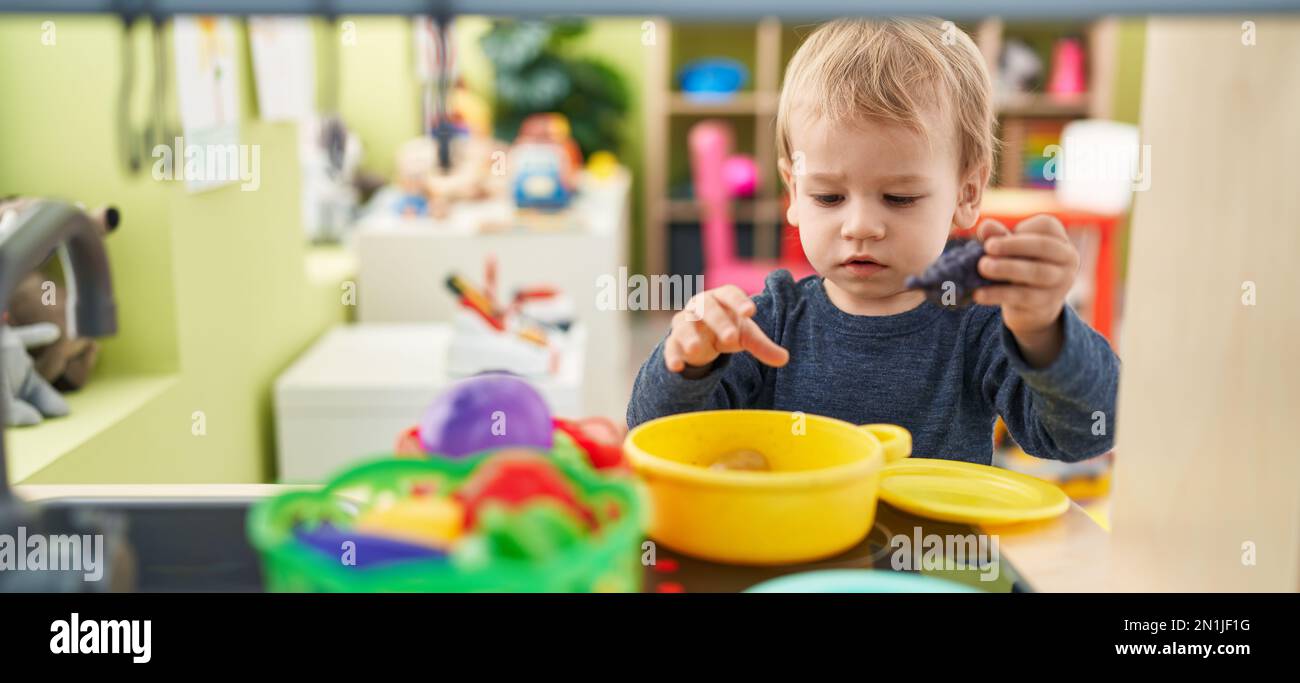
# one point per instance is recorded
(896, 440)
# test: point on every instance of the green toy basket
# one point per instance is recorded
(608, 561)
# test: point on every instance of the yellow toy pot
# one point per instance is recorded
(817, 499)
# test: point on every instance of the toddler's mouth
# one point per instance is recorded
(862, 266)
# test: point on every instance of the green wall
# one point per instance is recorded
(57, 137)
(212, 288)
(378, 95)
(1127, 107)
(1128, 81)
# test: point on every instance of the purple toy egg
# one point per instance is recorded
(486, 413)
(367, 550)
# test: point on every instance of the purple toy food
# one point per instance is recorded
(486, 413)
(959, 265)
(366, 549)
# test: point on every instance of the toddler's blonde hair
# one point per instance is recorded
(890, 70)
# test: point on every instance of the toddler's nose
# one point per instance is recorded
(861, 225)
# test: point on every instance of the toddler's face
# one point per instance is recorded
(874, 202)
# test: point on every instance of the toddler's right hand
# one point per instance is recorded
(715, 322)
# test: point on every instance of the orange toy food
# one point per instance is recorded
(743, 459)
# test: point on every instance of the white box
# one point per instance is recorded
(352, 393)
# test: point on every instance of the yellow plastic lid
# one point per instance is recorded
(966, 492)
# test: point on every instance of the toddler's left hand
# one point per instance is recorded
(1039, 262)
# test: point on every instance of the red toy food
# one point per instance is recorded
(408, 444)
(512, 478)
(601, 440)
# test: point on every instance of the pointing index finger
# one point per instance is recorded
(755, 341)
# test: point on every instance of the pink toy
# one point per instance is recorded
(741, 174)
(710, 144)
(1067, 68)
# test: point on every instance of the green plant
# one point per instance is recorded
(537, 72)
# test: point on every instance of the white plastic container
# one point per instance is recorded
(352, 393)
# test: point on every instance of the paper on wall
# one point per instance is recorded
(284, 66)
(208, 94)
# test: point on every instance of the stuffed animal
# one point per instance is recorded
(28, 397)
(544, 162)
(1019, 70)
(66, 361)
(329, 156)
(553, 129)
(477, 173)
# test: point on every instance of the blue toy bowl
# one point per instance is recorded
(712, 80)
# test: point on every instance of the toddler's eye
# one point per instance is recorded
(901, 200)
(828, 199)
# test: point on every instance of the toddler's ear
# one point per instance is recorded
(969, 195)
(787, 177)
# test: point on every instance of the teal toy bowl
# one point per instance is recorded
(859, 581)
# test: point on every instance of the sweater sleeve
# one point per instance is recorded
(1065, 411)
(735, 380)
